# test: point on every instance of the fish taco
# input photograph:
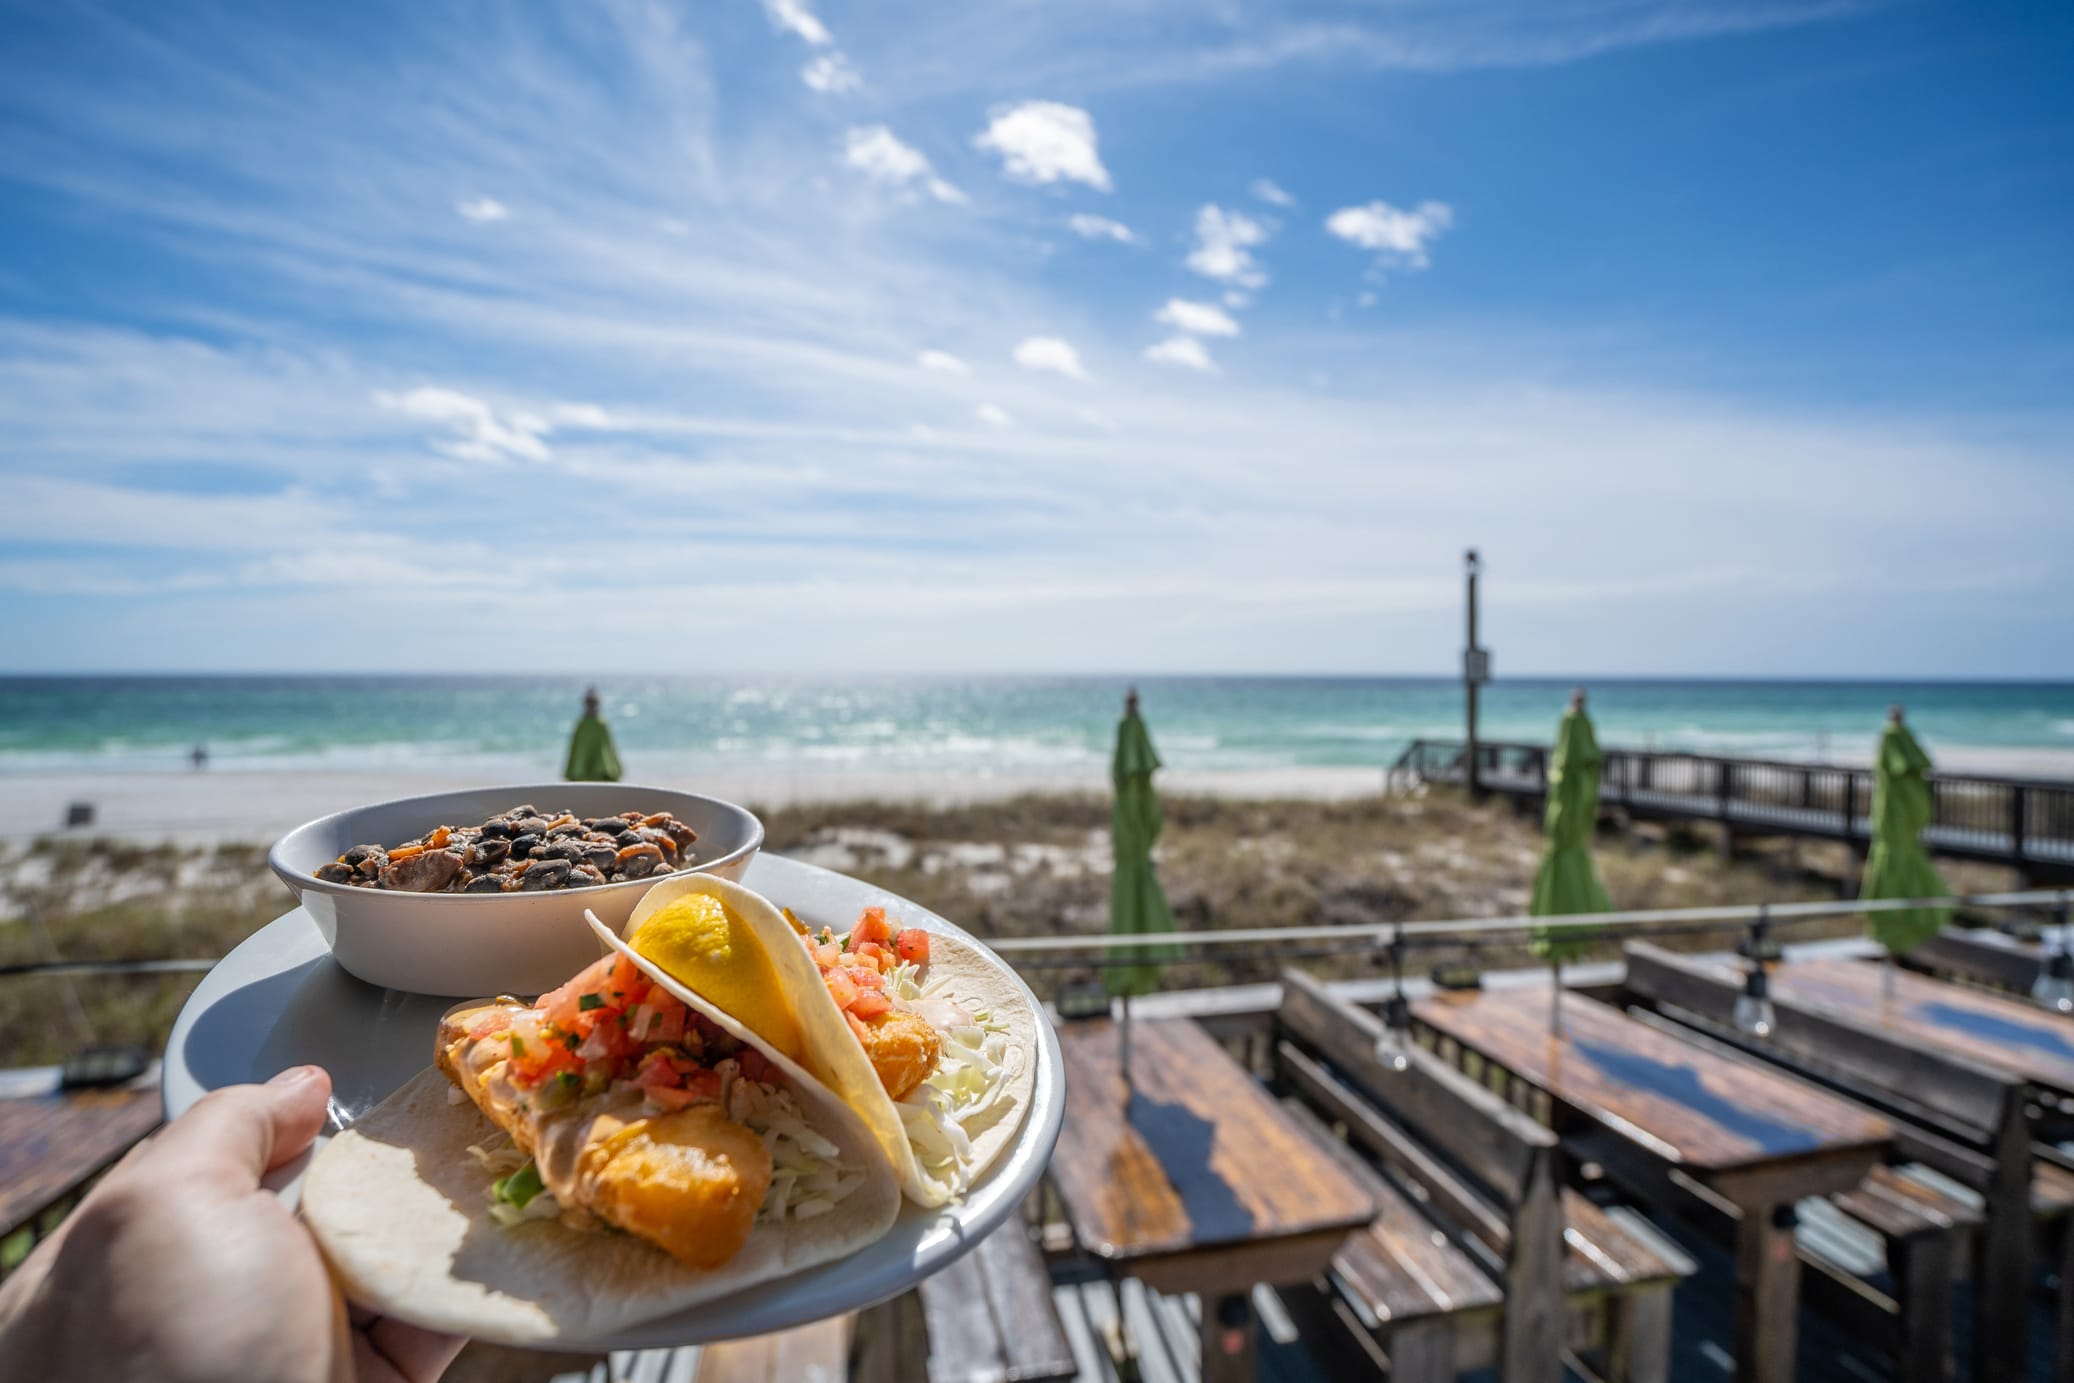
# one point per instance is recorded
(602, 1156)
(925, 1036)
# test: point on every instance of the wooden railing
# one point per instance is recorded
(2024, 822)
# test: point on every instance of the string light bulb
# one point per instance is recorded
(1754, 1015)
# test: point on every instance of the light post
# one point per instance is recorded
(1476, 670)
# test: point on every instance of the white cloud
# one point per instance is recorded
(1203, 319)
(584, 415)
(483, 210)
(943, 362)
(1091, 227)
(831, 74)
(993, 415)
(1184, 351)
(1050, 354)
(794, 17)
(1044, 142)
(1234, 299)
(1271, 193)
(879, 154)
(1399, 238)
(1224, 242)
(479, 432)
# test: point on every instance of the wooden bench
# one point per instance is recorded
(1986, 958)
(1966, 1183)
(987, 1318)
(1476, 1257)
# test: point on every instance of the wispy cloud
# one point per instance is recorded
(1045, 142)
(1184, 351)
(879, 154)
(1399, 238)
(482, 210)
(1088, 226)
(1267, 191)
(1049, 355)
(831, 74)
(943, 363)
(1224, 244)
(796, 17)
(1202, 319)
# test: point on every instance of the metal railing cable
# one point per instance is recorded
(1646, 921)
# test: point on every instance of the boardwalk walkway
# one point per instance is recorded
(2027, 824)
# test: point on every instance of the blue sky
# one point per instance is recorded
(1012, 335)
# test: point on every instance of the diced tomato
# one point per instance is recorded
(624, 983)
(841, 987)
(870, 1004)
(658, 1070)
(670, 1017)
(828, 954)
(857, 1026)
(669, 1097)
(490, 1024)
(703, 1084)
(872, 953)
(867, 979)
(542, 1060)
(912, 946)
(564, 1007)
(755, 1065)
(872, 926)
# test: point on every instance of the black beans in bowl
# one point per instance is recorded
(522, 850)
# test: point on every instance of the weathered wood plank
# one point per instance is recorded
(1193, 1155)
(1692, 1107)
(990, 1317)
(52, 1144)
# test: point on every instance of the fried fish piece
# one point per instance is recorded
(903, 1049)
(689, 1181)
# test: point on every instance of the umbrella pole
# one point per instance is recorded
(1887, 977)
(1125, 1041)
(1555, 1001)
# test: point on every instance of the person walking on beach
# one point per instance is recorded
(592, 759)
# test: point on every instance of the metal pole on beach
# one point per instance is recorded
(1471, 675)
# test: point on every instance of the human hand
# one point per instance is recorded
(178, 1266)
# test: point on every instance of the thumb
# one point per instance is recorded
(241, 1132)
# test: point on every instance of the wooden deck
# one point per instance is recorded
(2027, 824)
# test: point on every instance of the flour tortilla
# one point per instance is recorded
(973, 978)
(401, 1210)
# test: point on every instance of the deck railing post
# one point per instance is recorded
(2016, 824)
(1850, 802)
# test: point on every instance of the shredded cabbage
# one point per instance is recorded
(969, 1083)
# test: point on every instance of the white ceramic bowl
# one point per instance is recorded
(479, 944)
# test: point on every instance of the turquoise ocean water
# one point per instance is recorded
(516, 727)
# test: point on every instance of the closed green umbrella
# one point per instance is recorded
(1137, 904)
(592, 759)
(1567, 883)
(1898, 865)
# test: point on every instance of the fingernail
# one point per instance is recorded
(294, 1075)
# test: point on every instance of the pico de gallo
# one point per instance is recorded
(612, 1024)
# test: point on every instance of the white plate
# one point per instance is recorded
(279, 1000)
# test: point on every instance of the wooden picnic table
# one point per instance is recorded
(1758, 1139)
(1193, 1179)
(52, 1142)
(2010, 1034)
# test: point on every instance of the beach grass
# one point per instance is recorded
(1023, 866)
